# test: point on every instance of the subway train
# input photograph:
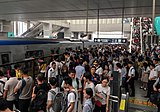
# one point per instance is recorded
(14, 50)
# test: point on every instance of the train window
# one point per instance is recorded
(66, 49)
(57, 51)
(119, 40)
(52, 51)
(34, 54)
(89, 36)
(5, 58)
(123, 40)
(109, 40)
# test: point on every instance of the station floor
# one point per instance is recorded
(139, 103)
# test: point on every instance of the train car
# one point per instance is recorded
(14, 50)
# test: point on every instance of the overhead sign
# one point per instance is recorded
(10, 34)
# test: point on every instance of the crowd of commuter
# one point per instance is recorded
(79, 77)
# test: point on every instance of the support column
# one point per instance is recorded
(130, 44)
(153, 16)
(47, 29)
(16, 28)
(141, 38)
(67, 33)
(28, 24)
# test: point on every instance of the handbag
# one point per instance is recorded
(155, 98)
(98, 103)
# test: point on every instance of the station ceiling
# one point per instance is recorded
(74, 9)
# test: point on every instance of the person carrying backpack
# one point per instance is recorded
(88, 106)
(72, 97)
(39, 95)
(53, 104)
(25, 86)
(156, 88)
(2, 83)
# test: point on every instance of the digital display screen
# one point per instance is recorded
(107, 40)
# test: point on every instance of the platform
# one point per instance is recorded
(139, 103)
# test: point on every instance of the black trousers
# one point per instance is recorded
(150, 87)
(158, 108)
(11, 103)
(100, 109)
(131, 84)
(24, 105)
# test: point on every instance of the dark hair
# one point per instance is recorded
(105, 78)
(1, 73)
(13, 73)
(64, 67)
(62, 58)
(16, 66)
(72, 71)
(81, 61)
(153, 65)
(40, 77)
(87, 75)
(89, 92)
(53, 63)
(66, 53)
(87, 68)
(24, 71)
(93, 67)
(68, 80)
(124, 64)
(130, 62)
(87, 60)
(53, 81)
(3, 104)
(119, 65)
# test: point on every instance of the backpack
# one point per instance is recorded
(66, 107)
(21, 89)
(47, 69)
(90, 108)
(2, 82)
(40, 100)
(77, 81)
(58, 101)
(136, 73)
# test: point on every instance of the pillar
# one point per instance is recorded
(67, 33)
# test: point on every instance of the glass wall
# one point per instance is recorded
(20, 27)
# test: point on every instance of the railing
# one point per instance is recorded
(113, 103)
(30, 63)
(117, 105)
(31, 29)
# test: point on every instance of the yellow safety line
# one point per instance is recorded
(140, 102)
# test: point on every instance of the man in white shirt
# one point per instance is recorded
(2, 83)
(9, 90)
(51, 96)
(51, 71)
(72, 97)
(157, 65)
(130, 79)
(76, 83)
(99, 69)
(152, 79)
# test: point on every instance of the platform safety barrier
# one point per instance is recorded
(119, 105)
